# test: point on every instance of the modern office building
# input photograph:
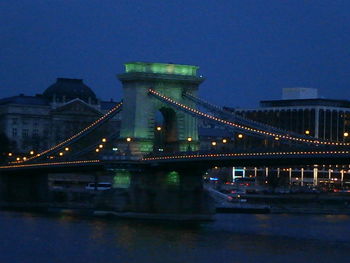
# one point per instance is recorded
(304, 113)
(301, 110)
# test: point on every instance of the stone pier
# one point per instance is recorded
(24, 187)
(159, 191)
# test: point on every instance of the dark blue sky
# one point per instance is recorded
(247, 50)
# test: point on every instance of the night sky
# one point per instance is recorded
(247, 50)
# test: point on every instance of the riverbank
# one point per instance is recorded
(323, 203)
(84, 204)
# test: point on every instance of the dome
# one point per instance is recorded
(68, 89)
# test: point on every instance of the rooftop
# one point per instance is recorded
(65, 89)
(25, 100)
(305, 102)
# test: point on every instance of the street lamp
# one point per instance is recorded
(128, 150)
(189, 139)
(159, 128)
(31, 152)
(240, 136)
(224, 140)
(346, 134)
(66, 149)
(307, 132)
(104, 139)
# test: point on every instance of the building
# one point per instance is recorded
(326, 119)
(34, 123)
(299, 93)
(301, 110)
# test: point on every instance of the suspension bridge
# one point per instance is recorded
(175, 174)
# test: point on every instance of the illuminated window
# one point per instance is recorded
(173, 178)
(122, 179)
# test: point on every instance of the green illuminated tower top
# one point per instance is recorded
(161, 68)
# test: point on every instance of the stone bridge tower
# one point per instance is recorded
(149, 124)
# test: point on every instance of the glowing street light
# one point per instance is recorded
(213, 143)
(189, 139)
(104, 140)
(159, 128)
(307, 132)
(24, 158)
(17, 159)
(100, 146)
(9, 154)
(224, 140)
(346, 134)
(60, 154)
(66, 149)
(97, 150)
(240, 136)
(31, 152)
(128, 150)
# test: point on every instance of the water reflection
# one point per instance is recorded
(336, 218)
(98, 230)
(233, 237)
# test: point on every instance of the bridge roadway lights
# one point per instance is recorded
(131, 146)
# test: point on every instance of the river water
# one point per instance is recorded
(238, 238)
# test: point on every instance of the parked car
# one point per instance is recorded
(100, 186)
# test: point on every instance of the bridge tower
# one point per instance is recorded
(150, 125)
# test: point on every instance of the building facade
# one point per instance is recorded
(325, 119)
(34, 123)
(301, 111)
